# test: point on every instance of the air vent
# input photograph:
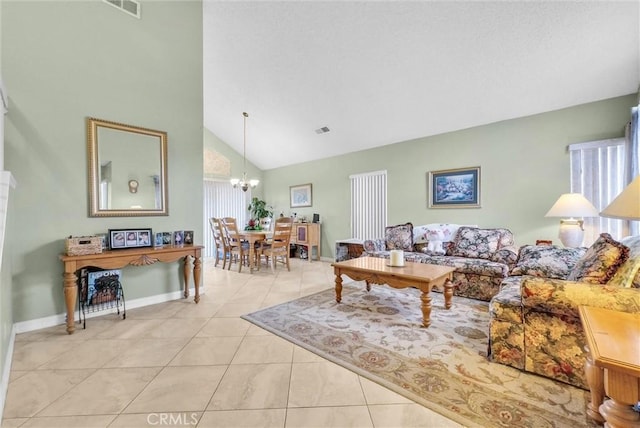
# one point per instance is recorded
(322, 130)
(130, 7)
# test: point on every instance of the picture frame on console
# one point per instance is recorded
(301, 195)
(454, 188)
(130, 238)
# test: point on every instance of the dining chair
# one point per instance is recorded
(237, 247)
(220, 239)
(277, 248)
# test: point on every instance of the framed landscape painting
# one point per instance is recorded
(454, 188)
(300, 195)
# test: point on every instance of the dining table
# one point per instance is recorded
(253, 237)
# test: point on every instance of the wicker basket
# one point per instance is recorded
(83, 245)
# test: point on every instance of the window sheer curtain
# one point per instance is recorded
(632, 166)
(222, 200)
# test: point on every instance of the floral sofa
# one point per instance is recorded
(482, 257)
(534, 322)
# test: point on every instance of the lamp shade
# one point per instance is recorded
(626, 205)
(572, 205)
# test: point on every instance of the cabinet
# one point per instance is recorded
(307, 234)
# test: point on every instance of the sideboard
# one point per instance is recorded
(307, 234)
(116, 259)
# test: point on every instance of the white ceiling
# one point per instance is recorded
(378, 73)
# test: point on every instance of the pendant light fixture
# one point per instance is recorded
(244, 183)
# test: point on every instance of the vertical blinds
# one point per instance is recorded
(368, 205)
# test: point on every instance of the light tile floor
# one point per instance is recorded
(181, 364)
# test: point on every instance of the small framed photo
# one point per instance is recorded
(130, 238)
(454, 188)
(157, 240)
(167, 238)
(178, 238)
(188, 237)
(301, 195)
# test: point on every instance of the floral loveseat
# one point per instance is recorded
(534, 322)
(482, 257)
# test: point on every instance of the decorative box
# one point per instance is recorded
(83, 245)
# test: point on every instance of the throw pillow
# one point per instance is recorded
(601, 261)
(547, 261)
(399, 237)
(628, 275)
(476, 243)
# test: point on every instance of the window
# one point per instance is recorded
(368, 205)
(222, 200)
(597, 171)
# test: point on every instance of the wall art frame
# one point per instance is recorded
(454, 188)
(130, 238)
(301, 195)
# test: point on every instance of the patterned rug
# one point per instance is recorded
(378, 335)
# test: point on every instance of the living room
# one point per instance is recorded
(64, 61)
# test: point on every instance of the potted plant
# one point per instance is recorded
(259, 210)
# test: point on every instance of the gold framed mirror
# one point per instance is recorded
(127, 170)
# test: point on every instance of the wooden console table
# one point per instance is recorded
(613, 365)
(117, 259)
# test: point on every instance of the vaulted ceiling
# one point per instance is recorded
(382, 72)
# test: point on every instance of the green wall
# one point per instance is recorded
(524, 168)
(66, 60)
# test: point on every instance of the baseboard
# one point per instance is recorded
(51, 321)
(6, 372)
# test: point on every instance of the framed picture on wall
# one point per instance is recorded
(454, 188)
(300, 195)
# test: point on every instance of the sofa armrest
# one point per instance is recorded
(373, 245)
(507, 255)
(563, 297)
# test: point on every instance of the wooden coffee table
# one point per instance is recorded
(375, 270)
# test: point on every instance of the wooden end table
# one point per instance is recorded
(375, 270)
(613, 365)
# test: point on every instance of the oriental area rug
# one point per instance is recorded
(378, 335)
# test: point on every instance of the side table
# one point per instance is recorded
(613, 360)
(347, 249)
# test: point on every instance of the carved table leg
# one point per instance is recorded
(426, 308)
(595, 380)
(187, 274)
(448, 293)
(70, 297)
(338, 288)
(197, 262)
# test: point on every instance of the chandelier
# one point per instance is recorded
(244, 183)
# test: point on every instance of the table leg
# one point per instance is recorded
(426, 309)
(623, 391)
(187, 274)
(368, 286)
(338, 287)
(197, 262)
(595, 380)
(448, 293)
(70, 297)
(251, 255)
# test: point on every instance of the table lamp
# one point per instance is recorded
(568, 207)
(626, 205)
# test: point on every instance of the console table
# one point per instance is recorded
(116, 259)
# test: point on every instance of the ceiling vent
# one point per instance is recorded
(322, 130)
(130, 7)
